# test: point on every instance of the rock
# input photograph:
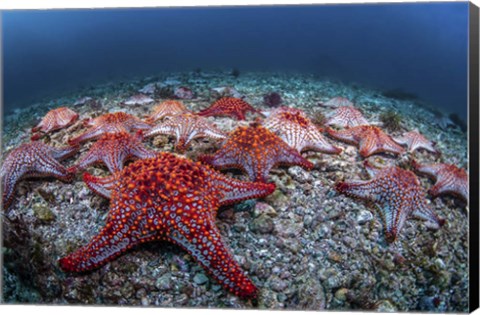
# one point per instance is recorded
(139, 99)
(264, 208)
(183, 93)
(277, 284)
(164, 283)
(311, 295)
(262, 224)
(225, 91)
(43, 212)
(148, 89)
(200, 278)
(385, 306)
(299, 174)
(341, 294)
(364, 216)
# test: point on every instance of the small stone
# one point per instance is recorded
(341, 294)
(364, 216)
(200, 278)
(264, 208)
(385, 306)
(43, 212)
(183, 93)
(262, 224)
(164, 283)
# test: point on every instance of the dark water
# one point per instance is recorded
(417, 48)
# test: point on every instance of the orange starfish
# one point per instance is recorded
(228, 106)
(185, 128)
(55, 119)
(256, 150)
(370, 140)
(346, 117)
(110, 123)
(398, 196)
(173, 199)
(167, 108)
(297, 130)
(114, 149)
(414, 141)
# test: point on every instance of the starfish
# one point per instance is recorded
(31, 160)
(228, 106)
(55, 119)
(297, 130)
(173, 199)
(167, 108)
(449, 179)
(397, 194)
(110, 123)
(113, 149)
(346, 116)
(256, 150)
(185, 128)
(337, 102)
(370, 139)
(414, 141)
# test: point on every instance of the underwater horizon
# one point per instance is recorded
(416, 50)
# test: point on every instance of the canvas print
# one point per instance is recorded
(305, 157)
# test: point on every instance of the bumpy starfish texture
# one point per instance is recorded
(185, 128)
(414, 141)
(165, 109)
(55, 119)
(110, 123)
(337, 102)
(297, 130)
(228, 106)
(31, 160)
(397, 194)
(113, 149)
(173, 199)
(255, 150)
(449, 178)
(346, 117)
(370, 140)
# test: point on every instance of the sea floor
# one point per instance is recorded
(306, 247)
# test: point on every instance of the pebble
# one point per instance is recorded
(364, 216)
(200, 278)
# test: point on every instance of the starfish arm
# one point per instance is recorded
(161, 129)
(290, 156)
(94, 155)
(141, 125)
(233, 190)
(428, 169)
(424, 212)
(449, 187)
(401, 140)
(346, 135)
(357, 188)
(208, 249)
(392, 147)
(100, 185)
(91, 133)
(64, 152)
(46, 166)
(10, 173)
(394, 217)
(427, 146)
(139, 151)
(319, 143)
(113, 240)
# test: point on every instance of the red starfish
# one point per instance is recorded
(185, 128)
(337, 102)
(256, 150)
(167, 108)
(228, 106)
(398, 195)
(173, 199)
(110, 123)
(113, 149)
(296, 129)
(55, 119)
(30, 160)
(370, 139)
(449, 178)
(414, 141)
(346, 117)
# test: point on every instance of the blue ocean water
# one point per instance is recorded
(419, 48)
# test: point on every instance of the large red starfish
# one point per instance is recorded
(449, 178)
(297, 130)
(255, 150)
(228, 106)
(165, 109)
(185, 128)
(55, 119)
(398, 196)
(370, 140)
(30, 160)
(113, 149)
(110, 123)
(345, 117)
(414, 141)
(173, 199)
